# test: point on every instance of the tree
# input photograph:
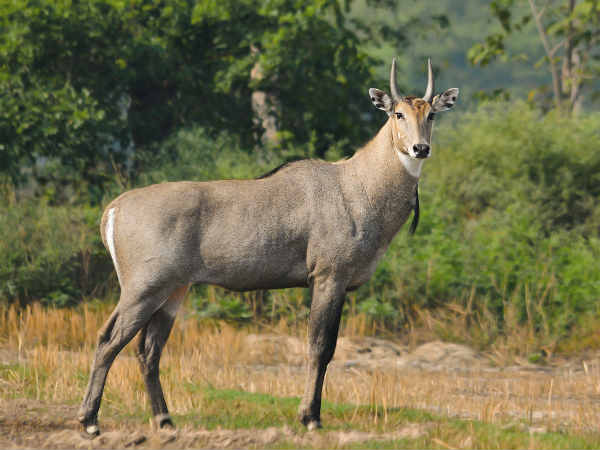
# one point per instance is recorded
(89, 85)
(569, 32)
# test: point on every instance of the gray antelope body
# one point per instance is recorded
(310, 223)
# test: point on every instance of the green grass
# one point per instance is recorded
(15, 372)
(232, 409)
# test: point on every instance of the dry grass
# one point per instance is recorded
(473, 323)
(52, 351)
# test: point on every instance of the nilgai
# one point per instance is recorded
(309, 223)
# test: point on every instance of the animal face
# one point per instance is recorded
(412, 123)
(412, 117)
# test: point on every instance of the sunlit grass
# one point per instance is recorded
(52, 350)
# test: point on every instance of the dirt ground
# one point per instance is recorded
(30, 424)
(469, 385)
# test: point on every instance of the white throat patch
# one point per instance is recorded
(412, 165)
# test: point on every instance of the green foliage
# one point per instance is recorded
(51, 254)
(421, 34)
(318, 71)
(104, 95)
(227, 308)
(379, 310)
(568, 32)
(58, 100)
(90, 86)
(192, 154)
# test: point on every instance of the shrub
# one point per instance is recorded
(52, 254)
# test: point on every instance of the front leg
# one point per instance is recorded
(324, 322)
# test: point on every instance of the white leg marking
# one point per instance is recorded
(110, 239)
(313, 425)
(412, 165)
(91, 429)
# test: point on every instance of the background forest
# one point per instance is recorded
(101, 96)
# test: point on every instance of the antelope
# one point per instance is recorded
(309, 223)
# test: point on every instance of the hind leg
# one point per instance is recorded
(152, 339)
(130, 315)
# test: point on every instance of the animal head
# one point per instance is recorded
(412, 117)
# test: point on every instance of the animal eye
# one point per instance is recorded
(431, 116)
(399, 115)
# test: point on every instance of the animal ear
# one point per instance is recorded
(445, 101)
(381, 100)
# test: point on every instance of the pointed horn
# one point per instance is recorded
(393, 86)
(430, 85)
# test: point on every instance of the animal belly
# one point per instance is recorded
(259, 278)
(253, 268)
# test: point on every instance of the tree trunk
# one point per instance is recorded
(264, 106)
(556, 80)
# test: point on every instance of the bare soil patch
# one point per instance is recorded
(33, 424)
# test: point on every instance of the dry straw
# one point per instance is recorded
(50, 352)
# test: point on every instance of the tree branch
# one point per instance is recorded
(569, 56)
(543, 36)
(557, 46)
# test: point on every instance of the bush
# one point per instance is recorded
(51, 254)
(191, 154)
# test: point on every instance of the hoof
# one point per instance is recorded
(90, 425)
(313, 425)
(91, 431)
(164, 422)
(310, 421)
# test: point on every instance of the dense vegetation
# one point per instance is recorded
(101, 96)
(90, 88)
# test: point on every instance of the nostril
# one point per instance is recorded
(421, 148)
